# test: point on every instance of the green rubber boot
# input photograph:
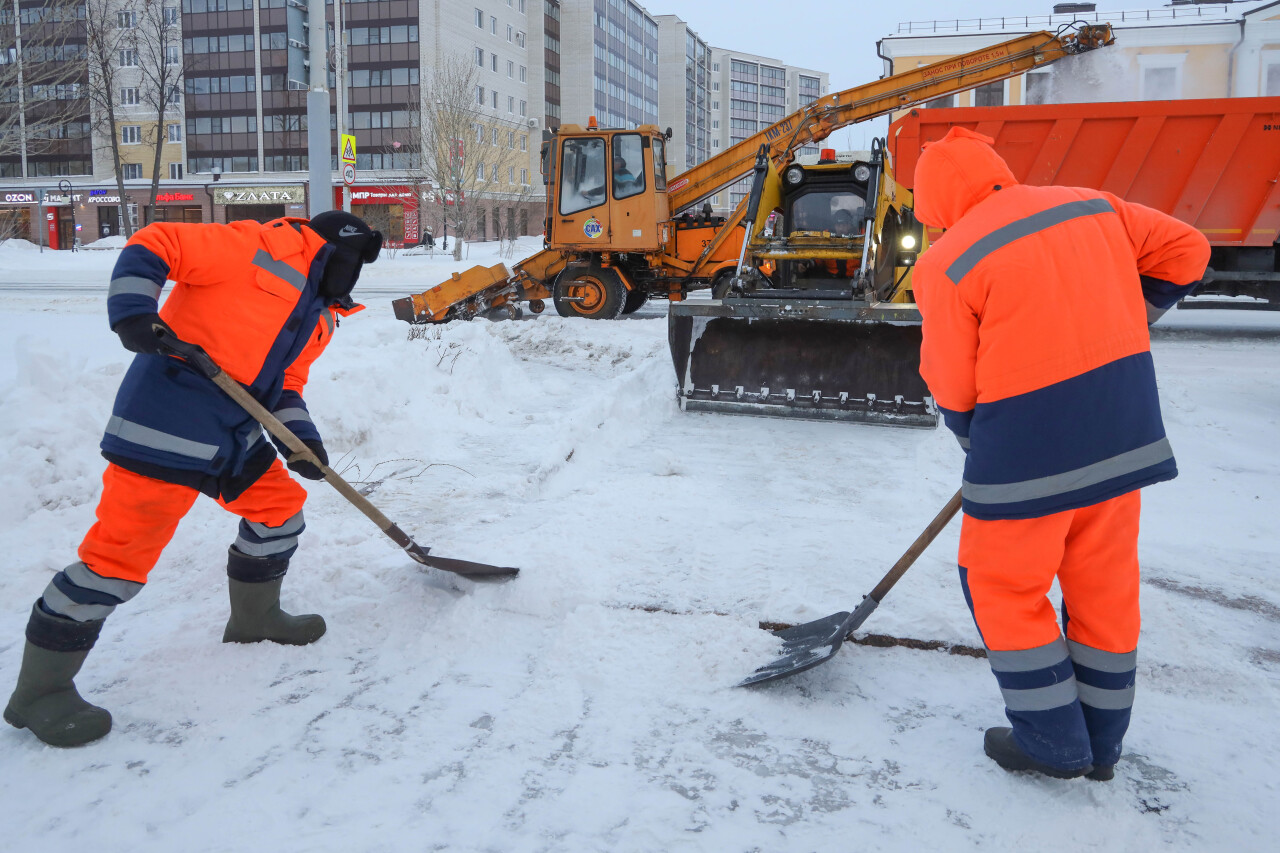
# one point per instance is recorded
(254, 585)
(46, 700)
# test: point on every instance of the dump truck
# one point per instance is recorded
(618, 233)
(1213, 163)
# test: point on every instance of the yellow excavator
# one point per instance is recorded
(812, 314)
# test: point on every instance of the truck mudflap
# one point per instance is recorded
(800, 358)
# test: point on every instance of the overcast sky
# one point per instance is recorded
(830, 35)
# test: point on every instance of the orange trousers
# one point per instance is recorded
(1093, 552)
(137, 516)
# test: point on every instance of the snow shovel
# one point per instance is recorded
(805, 646)
(200, 360)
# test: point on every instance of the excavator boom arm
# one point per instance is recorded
(828, 114)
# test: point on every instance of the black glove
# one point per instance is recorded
(304, 468)
(142, 333)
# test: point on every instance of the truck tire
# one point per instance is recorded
(597, 293)
(635, 300)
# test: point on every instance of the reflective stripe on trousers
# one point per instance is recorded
(78, 593)
(262, 540)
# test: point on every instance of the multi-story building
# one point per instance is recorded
(1167, 51)
(684, 92)
(609, 63)
(749, 93)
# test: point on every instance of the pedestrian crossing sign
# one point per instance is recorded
(348, 148)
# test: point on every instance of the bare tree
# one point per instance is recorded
(42, 80)
(108, 26)
(157, 38)
(470, 157)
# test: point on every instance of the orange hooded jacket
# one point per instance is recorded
(248, 293)
(1036, 303)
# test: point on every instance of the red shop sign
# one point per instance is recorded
(175, 197)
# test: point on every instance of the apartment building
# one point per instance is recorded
(1165, 51)
(749, 93)
(609, 63)
(684, 92)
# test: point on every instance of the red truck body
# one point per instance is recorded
(1212, 163)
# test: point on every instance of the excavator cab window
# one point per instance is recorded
(628, 165)
(582, 174)
(659, 165)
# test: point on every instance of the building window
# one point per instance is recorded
(511, 31)
(493, 25)
(1160, 76)
(990, 95)
(132, 171)
(1271, 73)
(493, 61)
(171, 15)
(480, 95)
(480, 171)
(175, 133)
(480, 56)
(129, 95)
(524, 107)
(495, 99)
(175, 171)
(524, 74)
(511, 103)
(172, 55)
(480, 18)
(175, 95)
(944, 102)
(131, 134)
(511, 69)
(126, 20)
(129, 58)
(519, 39)
(1035, 88)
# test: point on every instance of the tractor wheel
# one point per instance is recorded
(593, 292)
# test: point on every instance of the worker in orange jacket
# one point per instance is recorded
(1036, 303)
(264, 301)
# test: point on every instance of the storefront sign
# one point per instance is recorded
(50, 199)
(19, 198)
(175, 197)
(383, 195)
(259, 195)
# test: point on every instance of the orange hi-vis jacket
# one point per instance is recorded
(248, 293)
(1036, 305)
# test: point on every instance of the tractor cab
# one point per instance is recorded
(606, 189)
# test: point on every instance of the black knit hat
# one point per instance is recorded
(350, 232)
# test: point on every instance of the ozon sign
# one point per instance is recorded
(20, 198)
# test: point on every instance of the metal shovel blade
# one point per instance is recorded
(465, 568)
(803, 647)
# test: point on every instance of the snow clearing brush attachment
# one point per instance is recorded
(778, 354)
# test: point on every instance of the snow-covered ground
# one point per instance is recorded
(588, 705)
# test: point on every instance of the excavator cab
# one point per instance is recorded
(842, 245)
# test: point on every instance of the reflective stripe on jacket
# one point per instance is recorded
(245, 292)
(1035, 305)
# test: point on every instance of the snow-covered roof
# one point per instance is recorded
(1165, 15)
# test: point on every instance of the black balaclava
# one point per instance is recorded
(354, 243)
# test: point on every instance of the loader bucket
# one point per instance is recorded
(828, 365)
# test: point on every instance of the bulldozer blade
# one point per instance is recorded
(816, 369)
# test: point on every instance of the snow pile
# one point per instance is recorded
(588, 705)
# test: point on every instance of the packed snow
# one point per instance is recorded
(589, 704)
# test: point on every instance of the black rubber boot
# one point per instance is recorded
(1102, 773)
(1001, 748)
(254, 585)
(46, 700)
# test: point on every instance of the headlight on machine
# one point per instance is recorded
(862, 172)
(793, 175)
(908, 242)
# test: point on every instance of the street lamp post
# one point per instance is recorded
(66, 189)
